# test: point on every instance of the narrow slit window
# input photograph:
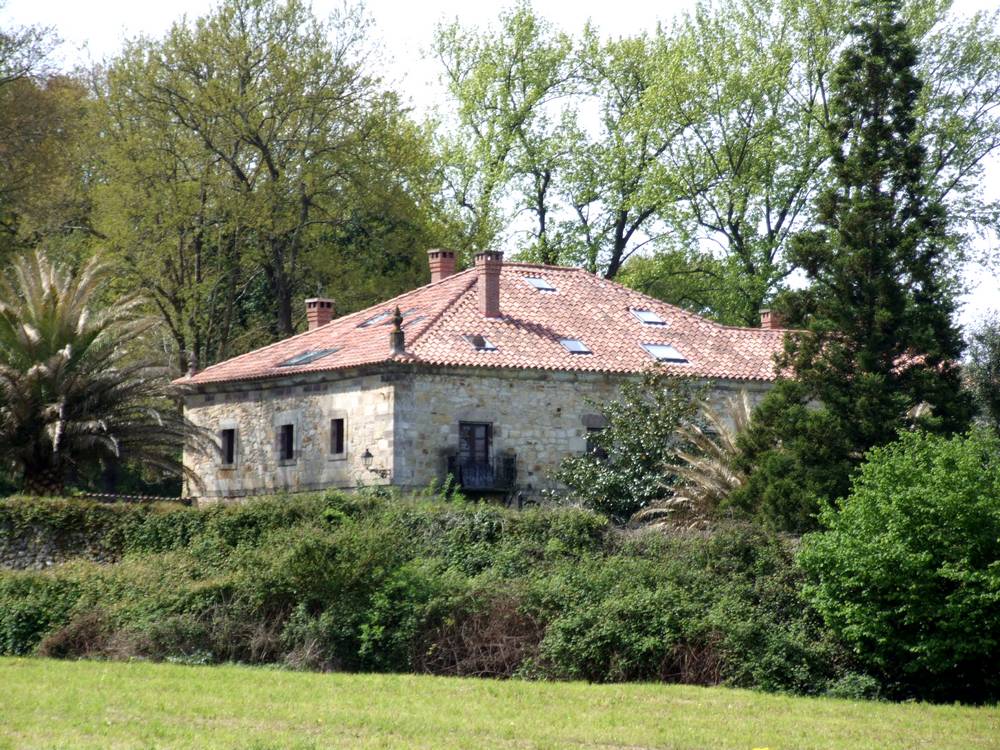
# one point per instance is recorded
(304, 358)
(664, 353)
(286, 442)
(575, 346)
(228, 439)
(481, 343)
(649, 317)
(539, 283)
(338, 445)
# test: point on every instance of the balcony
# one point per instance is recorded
(498, 475)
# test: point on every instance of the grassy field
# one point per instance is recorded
(50, 704)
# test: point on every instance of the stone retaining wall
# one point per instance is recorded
(36, 548)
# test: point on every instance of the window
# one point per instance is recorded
(475, 443)
(664, 353)
(649, 317)
(304, 358)
(575, 346)
(386, 317)
(286, 442)
(228, 439)
(593, 449)
(481, 343)
(375, 319)
(338, 445)
(412, 321)
(539, 283)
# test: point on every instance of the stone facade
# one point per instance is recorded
(407, 417)
(256, 411)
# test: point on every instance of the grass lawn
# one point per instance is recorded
(49, 704)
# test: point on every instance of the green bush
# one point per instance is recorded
(630, 467)
(908, 569)
(365, 582)
(31, 606)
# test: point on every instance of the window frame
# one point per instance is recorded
(333, 454)
(286, 428)
(488, 441)
(223, 463)
(584, 351)
(529, 280)
(660, 322)
(488, 346)
(679, 360)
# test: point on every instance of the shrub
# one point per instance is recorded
(629, 466)
(908, 569)
(32, 605)
(393, 584)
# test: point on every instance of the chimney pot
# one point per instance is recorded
(442, 263)
(319, 312)
(488, 264)
(771, 319)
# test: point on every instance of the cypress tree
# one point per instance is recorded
(878, 338)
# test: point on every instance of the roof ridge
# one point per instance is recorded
(444, 308)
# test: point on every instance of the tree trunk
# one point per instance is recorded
(43, 482)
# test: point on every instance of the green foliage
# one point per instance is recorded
(637, 446)
(76, 391)
(983, 371)
(32, 605)
(879, 340)
(907, 569)
(357, 582)
(230, 197)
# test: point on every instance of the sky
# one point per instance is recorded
(93, 30)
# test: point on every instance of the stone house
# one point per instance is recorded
(485, 374)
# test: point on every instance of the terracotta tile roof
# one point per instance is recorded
(585, 307)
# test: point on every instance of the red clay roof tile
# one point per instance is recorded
(583, 306)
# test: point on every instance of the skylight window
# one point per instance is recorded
(412, 321)
(539, 283)
(575, 346)
(304, 358)
(481, 343)
(375, 319)
(664, 353)
(649, 317)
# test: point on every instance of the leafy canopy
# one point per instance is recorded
(907, 569)
(879, 340)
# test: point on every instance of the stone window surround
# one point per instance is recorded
(332, 415)
(294, 418)
(228, 424)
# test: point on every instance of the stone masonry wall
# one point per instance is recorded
(365, 402)
(36, 548)
(541, 417)
(408, 418)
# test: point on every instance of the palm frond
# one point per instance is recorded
(706, 471)
(77, 384)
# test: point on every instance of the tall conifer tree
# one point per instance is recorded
(878, 336)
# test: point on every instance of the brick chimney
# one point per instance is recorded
(442, 263)
(319, 312)
(488, 264)
(771, 319)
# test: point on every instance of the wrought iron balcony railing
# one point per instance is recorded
(498, 474)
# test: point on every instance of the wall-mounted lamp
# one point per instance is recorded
(367, 458)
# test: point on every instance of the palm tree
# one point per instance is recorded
(707, 471)
(77, 389)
